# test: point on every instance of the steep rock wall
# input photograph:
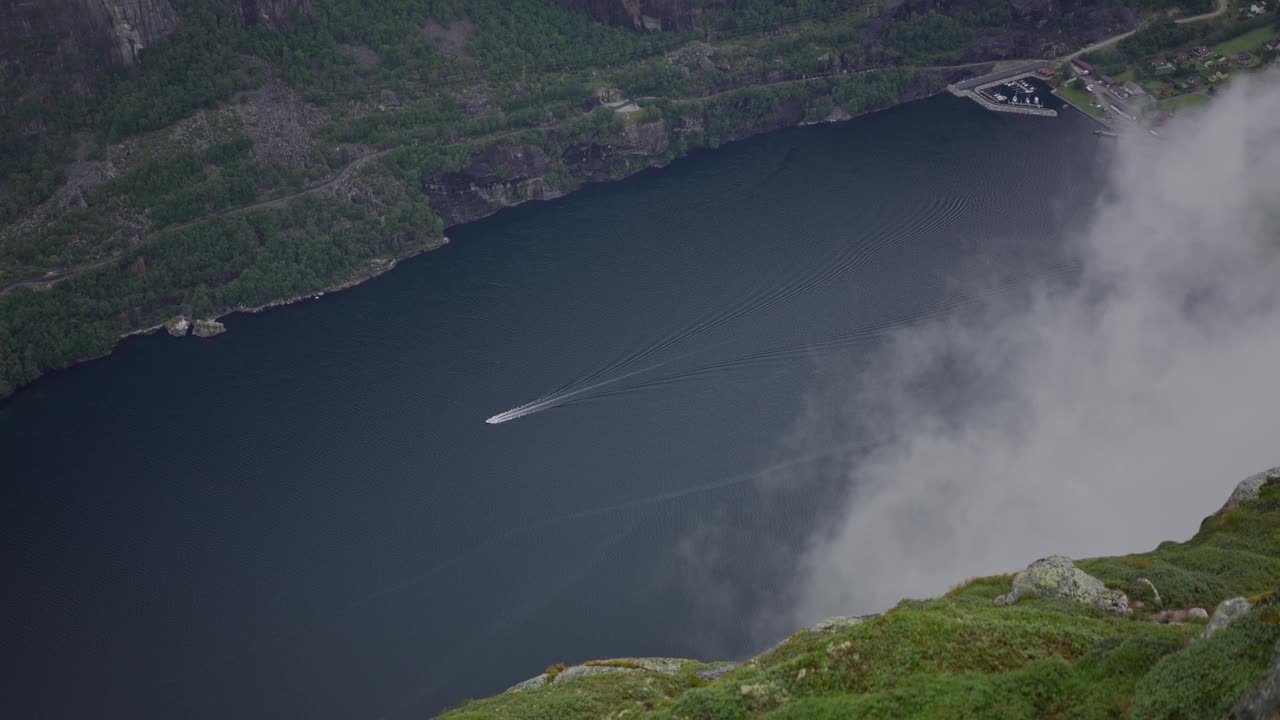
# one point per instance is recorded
(88, 36)
(645, 15)
(88, 33)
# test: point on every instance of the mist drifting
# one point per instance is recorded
(1097, 419)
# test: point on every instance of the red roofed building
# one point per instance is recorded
(1243, 58)
(1081, 66)
(1047, 72)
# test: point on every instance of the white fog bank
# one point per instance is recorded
(1100, 420)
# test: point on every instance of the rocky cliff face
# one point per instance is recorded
(1032, 32)
(87, 33)
(1039, 28)
(87, 36)
(508, 174)
(647, 15)
(272, 13)
(500, 176)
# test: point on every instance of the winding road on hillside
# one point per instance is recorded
(1103, 44)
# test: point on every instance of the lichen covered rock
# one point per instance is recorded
(1223, 615)
(1058, 577)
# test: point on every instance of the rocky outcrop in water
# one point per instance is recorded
(208, 328)
(80, 39)
(177, 326)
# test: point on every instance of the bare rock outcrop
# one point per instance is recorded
(1262, 701)
(273, 14)
(645, 15)
(1058, 577)
(87, 34)
(499, 176)
(1249, 488)
(177, 326)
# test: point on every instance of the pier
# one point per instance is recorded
(973, 88)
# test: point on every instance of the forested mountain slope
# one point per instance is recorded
(193, 157)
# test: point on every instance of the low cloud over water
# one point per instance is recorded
(1098, 418)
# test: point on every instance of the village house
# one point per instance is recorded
(1081, 67)
(1243, 58)
(1203, 51)
(1272, 45)
(1181, 58)
(1190, 83)
(1257, 8)
(1160, 64)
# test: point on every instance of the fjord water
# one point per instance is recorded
(310, 517)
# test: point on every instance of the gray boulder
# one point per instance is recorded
(1223, 615)
(1262, 701)
(1058, 577)
(1248, 488)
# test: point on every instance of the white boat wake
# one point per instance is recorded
(558, 398)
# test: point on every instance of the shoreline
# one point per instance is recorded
(377, 266)
(374, 268)
(1081, 110)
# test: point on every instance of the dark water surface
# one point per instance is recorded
(308, 517)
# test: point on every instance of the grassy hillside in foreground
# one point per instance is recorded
(961, 656)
